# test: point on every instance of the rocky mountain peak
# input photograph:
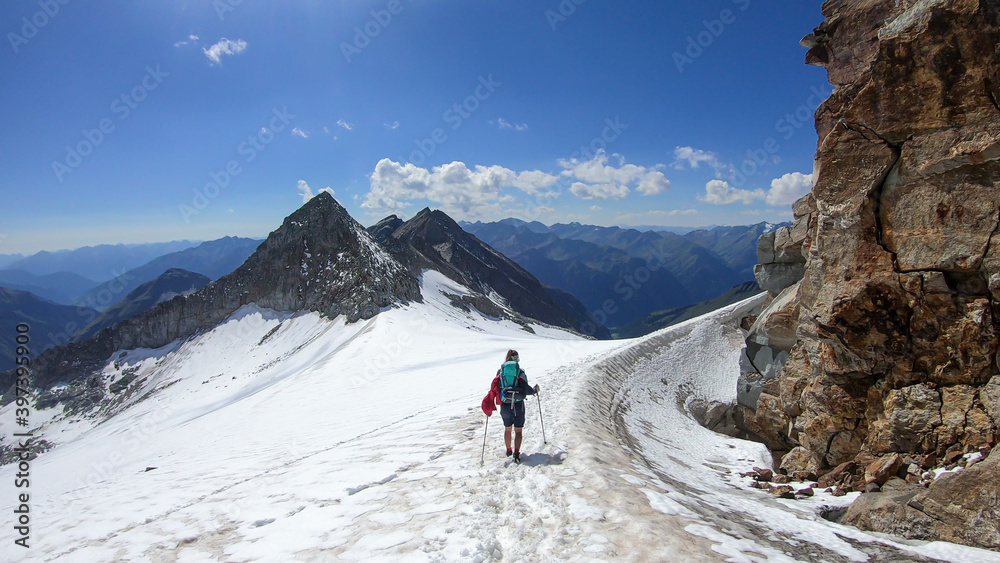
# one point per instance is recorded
(320, 259)
(443, 245)
(382, 230)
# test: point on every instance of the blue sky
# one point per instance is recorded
(151, 121)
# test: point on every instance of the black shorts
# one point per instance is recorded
(512, 416)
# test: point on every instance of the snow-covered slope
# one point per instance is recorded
(292, 437)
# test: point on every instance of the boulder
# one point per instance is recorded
(880, 470)
(958, 507)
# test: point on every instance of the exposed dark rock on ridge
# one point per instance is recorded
(320, 259)
(442, 245)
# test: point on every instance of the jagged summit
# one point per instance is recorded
(444, 246)
(320, 259)
(382, 230)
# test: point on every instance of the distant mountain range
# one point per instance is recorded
(48, 322)
(320, 260)
(6, 259)
(99, 263)
(132, 292)
(623, 274)
(662, 319)
(213, 259)
(602, 281)
(60, 287)
(170, 284)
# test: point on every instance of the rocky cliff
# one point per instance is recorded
(888, 343)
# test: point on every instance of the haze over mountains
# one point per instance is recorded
(61, 304)
(99, 263)
(627, 273)
(592, 278)
(213, 259)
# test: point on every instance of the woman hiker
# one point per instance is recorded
(509, 388)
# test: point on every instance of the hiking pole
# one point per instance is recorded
(482, 459)
(540, 419)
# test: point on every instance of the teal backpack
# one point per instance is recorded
(508, 377)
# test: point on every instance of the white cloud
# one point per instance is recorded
(300, 133)
(306, 192)
(230, 210)
(390, 126)
(345, 125)
(719, 192)
(596, 177)
(599, 191)
(654, 183)
(694, 158)
(326, 129)
(596, 208)
(456, 187)
(531, 181)
(751, 212)
(224, 47)
(190, 39)
(789, 188)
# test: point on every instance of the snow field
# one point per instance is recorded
(290, 437)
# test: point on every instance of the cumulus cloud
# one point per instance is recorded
(306, 192)
(596, 176)
(693, 158)
(653, 183)
(478, 191)
(224, 47)
(345, 125)
(300, 132)
(456, 187)
(599, 191)
(789, 188)
(719, 192)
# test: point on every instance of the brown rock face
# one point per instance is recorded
(897, 331)
(960, 507)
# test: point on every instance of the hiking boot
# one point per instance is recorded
(509, 452)
(517, 457)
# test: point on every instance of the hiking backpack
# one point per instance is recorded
(509, 373)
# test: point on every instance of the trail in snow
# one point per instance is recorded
(279, 438)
